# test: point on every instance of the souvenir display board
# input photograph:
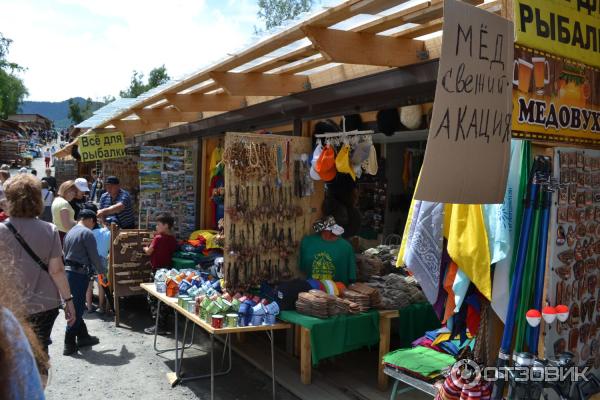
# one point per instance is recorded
(574, 251)
(129, 266)
(126, 169)
(167, 185)
(65, 170)
(270, 204)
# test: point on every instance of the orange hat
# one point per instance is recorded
(326, 164)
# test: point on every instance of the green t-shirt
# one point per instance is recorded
(324, 259)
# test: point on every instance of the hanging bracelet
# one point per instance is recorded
(67, 300)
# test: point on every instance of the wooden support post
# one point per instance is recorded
(305, 356)
(384, 348)
(297, 340)
(113, 278)
(298, 127)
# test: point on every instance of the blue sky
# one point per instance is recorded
(90, 47)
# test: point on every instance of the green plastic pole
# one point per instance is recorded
(526, 297)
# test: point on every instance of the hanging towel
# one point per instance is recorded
(468, 245)
(215, 159)
(424, 249)
(511, 212)
(413, 213)
(496, 227)
(460, 287)
(450, 277)
(400, 262)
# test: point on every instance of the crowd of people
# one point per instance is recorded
(54, 241)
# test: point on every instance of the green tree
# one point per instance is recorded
(12, 88)
(107, 99)
(75, 112)
(276, 12)
(157, 77)
(80, 112)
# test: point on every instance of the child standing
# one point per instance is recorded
(102, 234)
(161, 252)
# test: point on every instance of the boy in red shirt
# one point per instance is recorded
(161, 252)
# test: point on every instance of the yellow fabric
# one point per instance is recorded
(444, 337)
(208, 235)
(342, 161)
(468, 245)
(215, 158)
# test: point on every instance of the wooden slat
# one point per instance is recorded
(437, 24)
(391, 21)
(257, 84)
(285, 59)
(167, 115)
(206, 102)
(364, 48)
(132, 127)
(436, 10)
(305, 66)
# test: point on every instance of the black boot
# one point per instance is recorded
(83, 337)
(70, 344)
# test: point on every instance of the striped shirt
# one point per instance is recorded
(125, 219)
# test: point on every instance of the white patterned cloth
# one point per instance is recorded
(424, 248)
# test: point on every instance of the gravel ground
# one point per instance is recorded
(125, 366)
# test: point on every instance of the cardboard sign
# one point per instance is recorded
(555, 99)
(569, 28)
(101, 146)
(468, 148)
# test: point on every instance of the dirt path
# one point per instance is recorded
(125, 366)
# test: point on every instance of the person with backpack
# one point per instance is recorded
(48, 198)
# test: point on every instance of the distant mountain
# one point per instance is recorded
(56, 111)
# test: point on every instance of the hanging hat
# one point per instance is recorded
(361, 153)
(370, 165)
(315, 157)
(342, 161)
(325, 165)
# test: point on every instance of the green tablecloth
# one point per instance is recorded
(337, 335)
(414, 321)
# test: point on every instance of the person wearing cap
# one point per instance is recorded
(326, 255)
(117, 202)
(83, 189)
(81, 259)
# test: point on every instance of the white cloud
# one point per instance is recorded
(90, 48)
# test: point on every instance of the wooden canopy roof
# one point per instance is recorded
(326, 48)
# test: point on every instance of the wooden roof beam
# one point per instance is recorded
(131, 127)
(257, 84)
(166, 115)
(365, 48)
(206, 102)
